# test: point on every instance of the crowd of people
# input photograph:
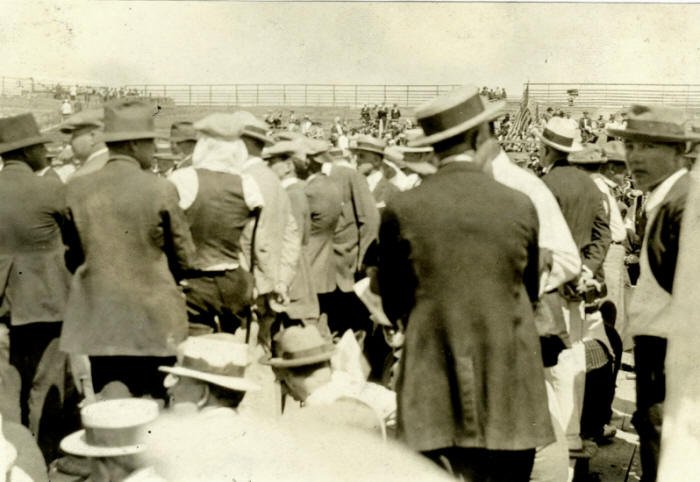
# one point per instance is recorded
(426, 305)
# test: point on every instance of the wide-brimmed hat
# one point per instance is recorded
(253, 127)
(454, 113)
(217, 358)
(20, 131)
(83, 122)
(298, 346)
(655, 123)
(369, 144)
(112, 428)
(127, 120)
(560, 134)
(294, 148)
(589, 154)
(394, 154)
(183, 131)
(615, 151)
(415, 159)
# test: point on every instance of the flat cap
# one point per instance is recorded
(86, 120)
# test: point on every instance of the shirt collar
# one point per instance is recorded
(659, 193)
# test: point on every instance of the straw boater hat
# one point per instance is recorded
(251, 126)
(83, 122)
(294, 148)
(453, 114)
(182, 131)
(20, 131)
(127, 120)
(217, 358)
(589, 154)
(653, 123)
(369, 144)
(112, 428)
(299, 346)
(560, 134)
(395, 155)
(615, 151)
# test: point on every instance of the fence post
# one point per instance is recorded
(407, 94)
(189, 95)
(356, 104)
(284, 94)
(235, 90)
(257, 94)
(3, 86)
(333, 87)
(209, 94)
(306, 100)
(165, 91)
(384, 101)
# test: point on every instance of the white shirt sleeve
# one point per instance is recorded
(187, 184)
(251, 192)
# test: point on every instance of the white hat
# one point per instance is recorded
(560, 134)
(217, 358)
(112, 428)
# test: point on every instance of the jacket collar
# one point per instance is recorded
(657, 196)
(129, 159)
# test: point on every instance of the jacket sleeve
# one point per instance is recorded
(74, 255)
(396, 278)
(366, 214)
(291, 250)
(595, 251)
(531, 277)
(177, 239)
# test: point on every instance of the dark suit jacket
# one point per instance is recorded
(33, 278)
(357, 226)
(125, 233)
(583, 207)
(664, 234)
(384, 190)
(325, 207)
(458, 260)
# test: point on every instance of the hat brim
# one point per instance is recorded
(297, 362)
(574, 147)
(75, 444)
(651, 137)
(492, 110)
(232, 383)
(368, 149)
(422, 167)
(181, 139)
(128, 136)
(267, 140)
(19, 144)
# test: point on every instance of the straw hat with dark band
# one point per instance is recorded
(653, 123)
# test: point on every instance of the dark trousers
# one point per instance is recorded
(595, 413)
(140, 374)
(219, 300)
(27, 345)
(482, 465)
(649, 358)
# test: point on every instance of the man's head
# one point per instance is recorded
(457, 122)
(616, 168)
(21, 140)
(210, 372)
(129, 130)
(369, 150)
(183, 138)
(85, 130)
(303, 358)
(288, 159)
(655, 142)
(557, 140)
(252, 131)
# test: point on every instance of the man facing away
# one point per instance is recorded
(127, 241)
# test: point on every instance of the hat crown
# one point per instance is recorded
(561, 127)
(590, 154)
(218, 350)
(128, 116)
(18, 128)
(183, 130)
(221, 125)
(85, 119)
(296, 339)
(119, 413)
(293, 147)
(655, 118)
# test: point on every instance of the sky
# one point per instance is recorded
(495, 44)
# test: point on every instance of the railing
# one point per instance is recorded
(686, 96)
(294, 94)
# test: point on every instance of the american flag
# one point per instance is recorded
(527, 114)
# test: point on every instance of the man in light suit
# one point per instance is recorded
(128, 241)
(370, 152)
(85, 130)
(33, 278)
(464, 280)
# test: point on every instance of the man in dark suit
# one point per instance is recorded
(584, 209)
(471, 386)
(33, 278)
(127, 242)
(356, 229)
(655, 142)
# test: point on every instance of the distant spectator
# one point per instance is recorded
(66, 109)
